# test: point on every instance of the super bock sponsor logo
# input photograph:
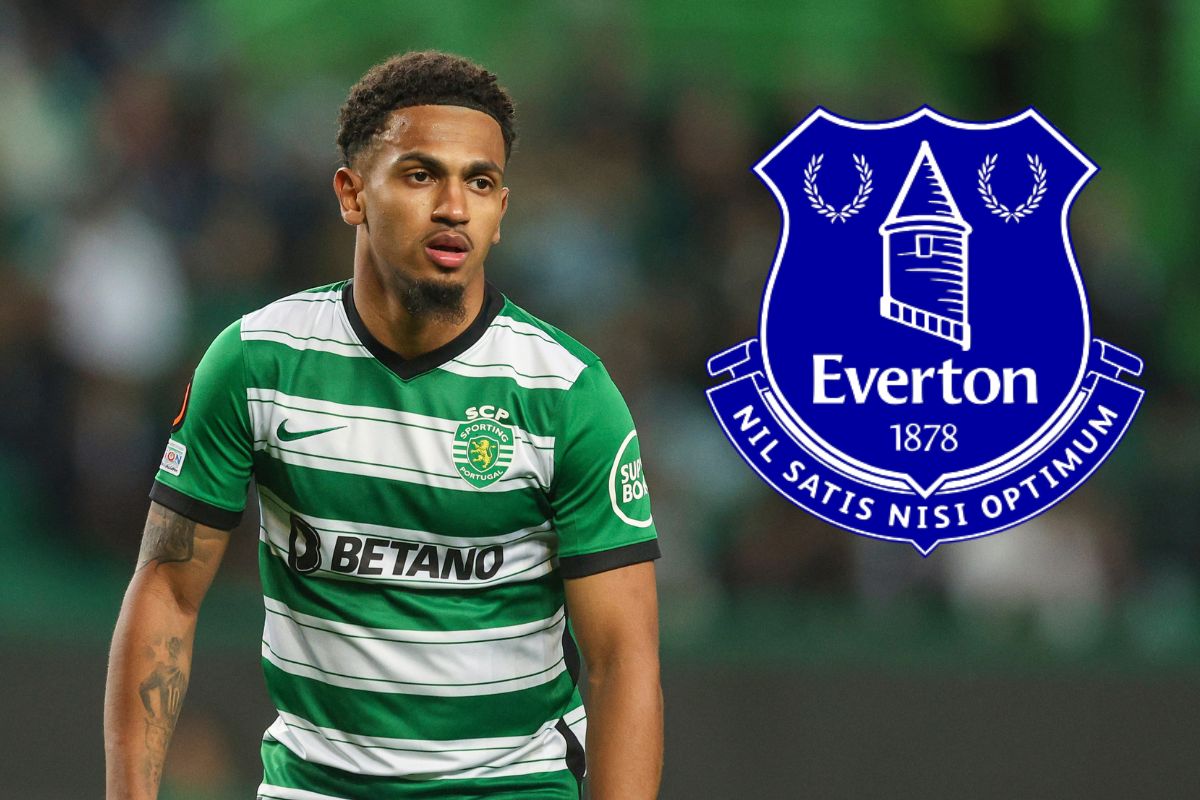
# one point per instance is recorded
(925, 369)
(627, 484)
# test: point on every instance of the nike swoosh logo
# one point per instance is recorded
(285, 435)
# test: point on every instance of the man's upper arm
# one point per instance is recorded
(209, 457)
(615, 614)
(180, 553)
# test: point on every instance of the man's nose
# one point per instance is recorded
(452, 204)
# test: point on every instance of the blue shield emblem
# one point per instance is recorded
(925, 368)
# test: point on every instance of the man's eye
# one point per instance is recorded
(482, 184)
(420, 176)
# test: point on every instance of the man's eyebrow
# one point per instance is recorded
(437, 166)
(424, 159)
(484, 165)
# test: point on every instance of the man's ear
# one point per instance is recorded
(503, 209)
(348, 186)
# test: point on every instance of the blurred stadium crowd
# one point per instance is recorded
(151, 196)
(165, 167)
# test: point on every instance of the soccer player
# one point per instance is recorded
(451, 496)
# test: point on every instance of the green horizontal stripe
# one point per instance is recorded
(281, 767)
(401, 504)
(343, 527)
(379, 605)
(409, 716)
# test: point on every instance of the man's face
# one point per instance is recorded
(431, 201)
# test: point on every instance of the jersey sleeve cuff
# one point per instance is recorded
(591, 563)
(193, 509)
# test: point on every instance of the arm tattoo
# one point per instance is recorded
(162, 696)
(168, 538)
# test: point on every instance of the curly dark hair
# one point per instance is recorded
(418, 79)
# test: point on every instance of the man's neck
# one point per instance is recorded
(395, 328)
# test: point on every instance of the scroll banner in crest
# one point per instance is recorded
(925, 370)
(749, 414)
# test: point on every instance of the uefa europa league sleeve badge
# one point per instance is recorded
(925, 369)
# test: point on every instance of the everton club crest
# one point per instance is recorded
(925, 369)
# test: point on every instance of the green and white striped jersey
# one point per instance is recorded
(418, 519)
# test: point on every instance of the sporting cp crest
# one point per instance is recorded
(925, 369)
(483, 450)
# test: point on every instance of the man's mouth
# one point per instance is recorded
(448, 250)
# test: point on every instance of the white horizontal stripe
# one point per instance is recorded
(524, 347)
(575, 716)
(400, 556)
(484, 665)
(297, 402)
(525, 328)
(287, 662)
(507, 633)
(301, 322)
(267, 791)
(298, 343)
(421, 759)
(286, 314)
(330, 294)
(384, 444)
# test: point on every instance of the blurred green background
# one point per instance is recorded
(165, 167)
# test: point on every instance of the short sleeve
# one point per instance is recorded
(599, 493)
(206, 467)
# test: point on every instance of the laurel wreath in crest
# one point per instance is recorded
(1024, 209)
(823, 208)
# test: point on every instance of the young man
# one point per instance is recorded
(444, 482)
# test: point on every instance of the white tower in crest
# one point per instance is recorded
(925, 256)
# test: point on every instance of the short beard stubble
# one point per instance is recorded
(433, 300)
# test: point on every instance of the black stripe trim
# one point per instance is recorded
(408, 368)
(195, 510)
(576, 757)
(570, 654)
(576, 760)
(591, 563)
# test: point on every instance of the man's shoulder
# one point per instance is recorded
(311, 318)
(306, 301)
(540, 334)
